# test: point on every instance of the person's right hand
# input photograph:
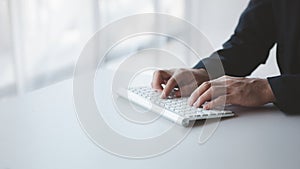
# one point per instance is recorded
(186, 80)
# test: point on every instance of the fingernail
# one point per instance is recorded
(195, 104)
(189, 102)
(162, 95)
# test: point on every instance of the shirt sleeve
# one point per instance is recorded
(250, 44)
(287, 94)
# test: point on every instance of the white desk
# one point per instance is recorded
(41, 130)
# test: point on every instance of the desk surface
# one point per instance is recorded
(41, 130)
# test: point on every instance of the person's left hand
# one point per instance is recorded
(232, 90)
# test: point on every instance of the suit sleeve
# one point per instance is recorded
(250, 44)
(287, 92)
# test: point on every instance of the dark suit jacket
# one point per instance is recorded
(263, 24)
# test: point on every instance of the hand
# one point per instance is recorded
(187, 80)
(232, 90)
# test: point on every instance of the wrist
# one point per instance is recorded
(270, 97)
(201, 75)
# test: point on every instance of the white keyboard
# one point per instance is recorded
(174, 109)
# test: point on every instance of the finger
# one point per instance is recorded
(206, 96)
(169, 87)
(219, 101)
(159, 78)
(198, 92)
(157, 87)
(186, 90)
(211, 93)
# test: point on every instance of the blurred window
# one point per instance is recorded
(41, 39)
